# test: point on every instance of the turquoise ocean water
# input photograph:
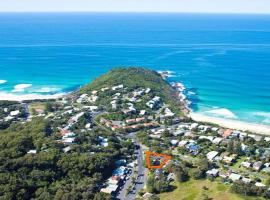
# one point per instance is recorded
(224, 60)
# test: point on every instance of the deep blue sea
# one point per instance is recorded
(224, 60)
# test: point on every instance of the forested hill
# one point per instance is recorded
(134, 78)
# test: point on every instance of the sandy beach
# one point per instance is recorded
(233, 124)
(25, 97)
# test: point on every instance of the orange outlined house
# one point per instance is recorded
(163, 158)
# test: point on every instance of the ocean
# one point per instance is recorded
(223, 60)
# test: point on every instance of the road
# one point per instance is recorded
(142, 173)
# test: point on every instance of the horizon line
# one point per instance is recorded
(138, 12)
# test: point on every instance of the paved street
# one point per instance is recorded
(142, 174)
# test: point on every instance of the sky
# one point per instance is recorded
(201, 6)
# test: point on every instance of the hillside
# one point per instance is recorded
(132, 79)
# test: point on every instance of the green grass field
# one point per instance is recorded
(194, 190)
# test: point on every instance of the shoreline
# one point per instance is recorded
(180, 88)
(232, 124)
(29, 97)
(223, 122)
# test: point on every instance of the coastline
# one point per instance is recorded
(180, 88)
(223, 122)
(28, 97)
(232, 124)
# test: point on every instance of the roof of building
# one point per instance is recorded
(211, 155)
(235, 177)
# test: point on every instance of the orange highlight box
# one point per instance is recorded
(165, 159)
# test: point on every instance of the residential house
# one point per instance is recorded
(154, 102)
(147, 195)
(193, 148)
(211, 155)
(182, 143)
(68, 140)
(142, 112)
(227, 133)
(174, 142)
(235, 177)
(117, 87)
(246, 164)
(210, 138)
(110, 189)
(257, 165)
(194, 126)
(178, 132)
(33, 151)
(67, 149)
(246, 180)
(229, 159)
(14, 113)
(168, 113)
(217, 140)
(258, 184)
(212, 172)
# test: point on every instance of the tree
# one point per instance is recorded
(133, 180)
(49, 107)
(238, 148)
(102, 196)
(150, 184)
(230, 146)
(166, 133)
(161, 185)
(180, 173)
(198, 173)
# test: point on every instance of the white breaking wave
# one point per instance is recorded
(266, 121)
(47, 89)
(2, 81)
(262, 114)
(222, 112)
(21, 87)
(191, 93)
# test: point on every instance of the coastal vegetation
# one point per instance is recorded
(68, 148)
(47, 172)
(133, 78)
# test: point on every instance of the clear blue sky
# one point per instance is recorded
(216, 6)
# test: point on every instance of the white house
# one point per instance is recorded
(32, 151)
(234, 177)
(174, 142)
(213, 172)
(14, 113)
(211, 155)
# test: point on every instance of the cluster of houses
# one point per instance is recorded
(232, 176)
(68, 137)
(85, 98)
(119, 175)
(128, 125)
(187, 135)
(13, 113)
(154, 103)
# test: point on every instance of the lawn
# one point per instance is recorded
(194, 190)
(36, 106)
